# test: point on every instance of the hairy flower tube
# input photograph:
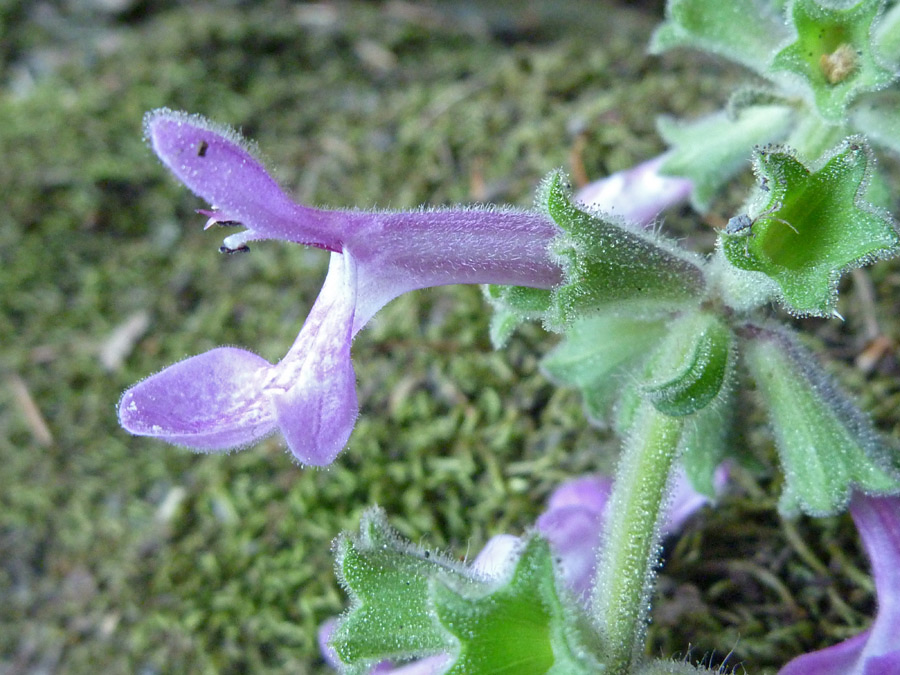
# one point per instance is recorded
(875, 651)
(228, 397)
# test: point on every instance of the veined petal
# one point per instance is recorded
(213, 401)
(313, 389)
(213, 162)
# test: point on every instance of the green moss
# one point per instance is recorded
(126, 555)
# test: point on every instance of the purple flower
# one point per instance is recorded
(637, 194)
(228, 397)
(875, 651)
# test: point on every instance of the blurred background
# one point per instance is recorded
(126, 555)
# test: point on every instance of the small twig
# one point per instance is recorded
(118, 345)
(33, 417)
(579, 173)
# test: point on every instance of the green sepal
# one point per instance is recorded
(711, 150)
(513, 305)
(887, 36)
(834, 54)
(521, 625)
(746, 32)
(836, 230)
(607, 264)
(596, 354)
(878, 118)
(704, 443)
(826, 445)
(387, 580)
(688, 368)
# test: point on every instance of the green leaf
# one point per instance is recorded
(833, 54)
(519, 626)
(688, 369)
(596, 354)
(712, 149)
(747, 32)
(878, 117)
(827, 447)
(387, 579)
(813, 226)
(610, 264)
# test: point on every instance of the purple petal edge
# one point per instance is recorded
(875, 651)
(836, 660)
(212, 401)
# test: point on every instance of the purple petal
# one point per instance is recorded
(637, 194)
(326, 630)
(214, 164)
(875, 651)
(212, 401)
(878, 522)
(888, 664)
(573, 524)
(313, 389)
(685, 501)
(837, 660)
(574, 521)
(588, 492)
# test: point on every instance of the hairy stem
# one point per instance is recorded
(631, 548)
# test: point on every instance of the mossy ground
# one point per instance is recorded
(124, 555)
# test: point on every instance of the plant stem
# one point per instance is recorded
(631, 549)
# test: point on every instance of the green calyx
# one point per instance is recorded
(827, 447)
(608, 263)
(387, 579)
(834, 54)
(512, 306)
(408, 602)
(689, 367)
(812, 226)
(519, 625)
